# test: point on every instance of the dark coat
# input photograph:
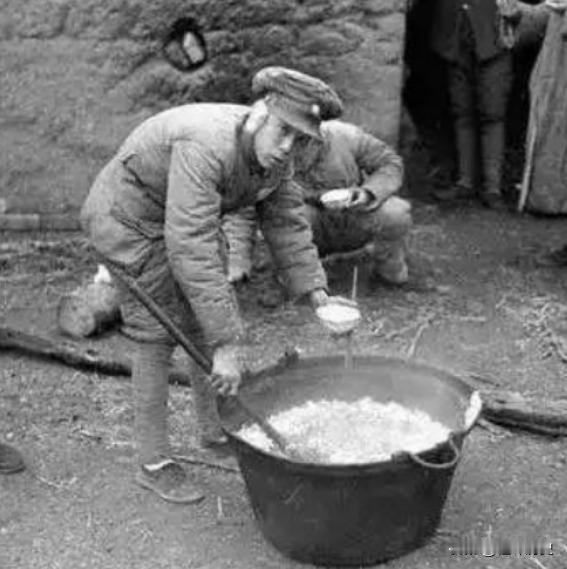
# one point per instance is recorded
(484, 18)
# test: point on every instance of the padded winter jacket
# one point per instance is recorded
(173, 178)
(484, 18)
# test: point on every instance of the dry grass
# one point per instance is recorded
(543, 318)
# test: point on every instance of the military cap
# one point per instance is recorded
(300, 100)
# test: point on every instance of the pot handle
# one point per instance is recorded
(442, 465)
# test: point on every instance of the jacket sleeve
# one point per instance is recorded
(288, 234)
(239, 228)
(194, 242)
(381, 165)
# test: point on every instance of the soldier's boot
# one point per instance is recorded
(492, 145)
(390, 265)
(467, 161)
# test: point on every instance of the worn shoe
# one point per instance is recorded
(11, 460)
(393, 271)
(455, 193)
(493, 200)
(170, 482)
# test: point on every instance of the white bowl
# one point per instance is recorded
(338, 318)
(335, 199)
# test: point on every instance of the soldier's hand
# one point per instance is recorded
(359, 198)
(342, 301)
(227, 370)
(318, 297)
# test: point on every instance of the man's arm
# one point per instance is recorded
(193, 240)
(382, 166)
(290, 239)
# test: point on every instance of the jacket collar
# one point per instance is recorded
(245, 141)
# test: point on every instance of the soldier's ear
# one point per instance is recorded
(258, 116)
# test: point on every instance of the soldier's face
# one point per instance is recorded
(273, 142)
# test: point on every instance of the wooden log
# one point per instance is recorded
(515, 411)
(64, 352)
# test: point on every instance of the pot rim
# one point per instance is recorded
(401, 458)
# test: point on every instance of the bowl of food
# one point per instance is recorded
(339, 318)
(336, 199)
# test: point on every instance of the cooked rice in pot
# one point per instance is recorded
(340, 432)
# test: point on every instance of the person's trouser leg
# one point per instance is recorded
(463, 105)
(392, 223)
(495, 80)
(493, 145)
(205, 400)
(462, 78)
(152, 351)
(157, 470)
(150, 385)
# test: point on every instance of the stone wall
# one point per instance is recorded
(77, 75)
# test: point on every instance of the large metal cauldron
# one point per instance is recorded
(352, 514)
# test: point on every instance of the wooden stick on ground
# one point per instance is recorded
(205, 462)
(63, 352)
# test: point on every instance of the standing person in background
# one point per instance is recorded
(155, 210)
(474, 38)
(544, 185)
(11, 460)
(371, 172)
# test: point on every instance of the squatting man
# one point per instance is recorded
(155, 211)
(369, 173)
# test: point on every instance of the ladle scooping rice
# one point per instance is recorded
(341, 432)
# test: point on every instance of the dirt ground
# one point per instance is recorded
(491, 312)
